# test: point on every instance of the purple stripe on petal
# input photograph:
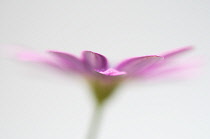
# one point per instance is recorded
(176, 52)
(137, 64)
(94, 61)
(69, 61)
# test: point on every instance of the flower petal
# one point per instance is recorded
(69, 61)
(176, 52)
(137, 64)
(32, 56)
(170, 57)
(182, 68)
(94, 61)
(178, 71)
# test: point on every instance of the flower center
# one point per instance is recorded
(112, 72)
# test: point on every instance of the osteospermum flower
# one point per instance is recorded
(102, 78)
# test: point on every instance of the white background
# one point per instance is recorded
(38, 104)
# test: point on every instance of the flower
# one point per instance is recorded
(102, 78)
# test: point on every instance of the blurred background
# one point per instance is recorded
(36, 103)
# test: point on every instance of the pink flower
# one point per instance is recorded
(102, 78)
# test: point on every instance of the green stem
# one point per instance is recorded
(95, 122)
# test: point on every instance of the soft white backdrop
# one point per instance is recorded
(38, 104)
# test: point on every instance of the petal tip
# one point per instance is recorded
(177, 51)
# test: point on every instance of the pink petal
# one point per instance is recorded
(69, 61)
(170, 57)
(178, 69)
(137, 64)
(38, 58)
(176, 52)
(94, 61)
(184, 70)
